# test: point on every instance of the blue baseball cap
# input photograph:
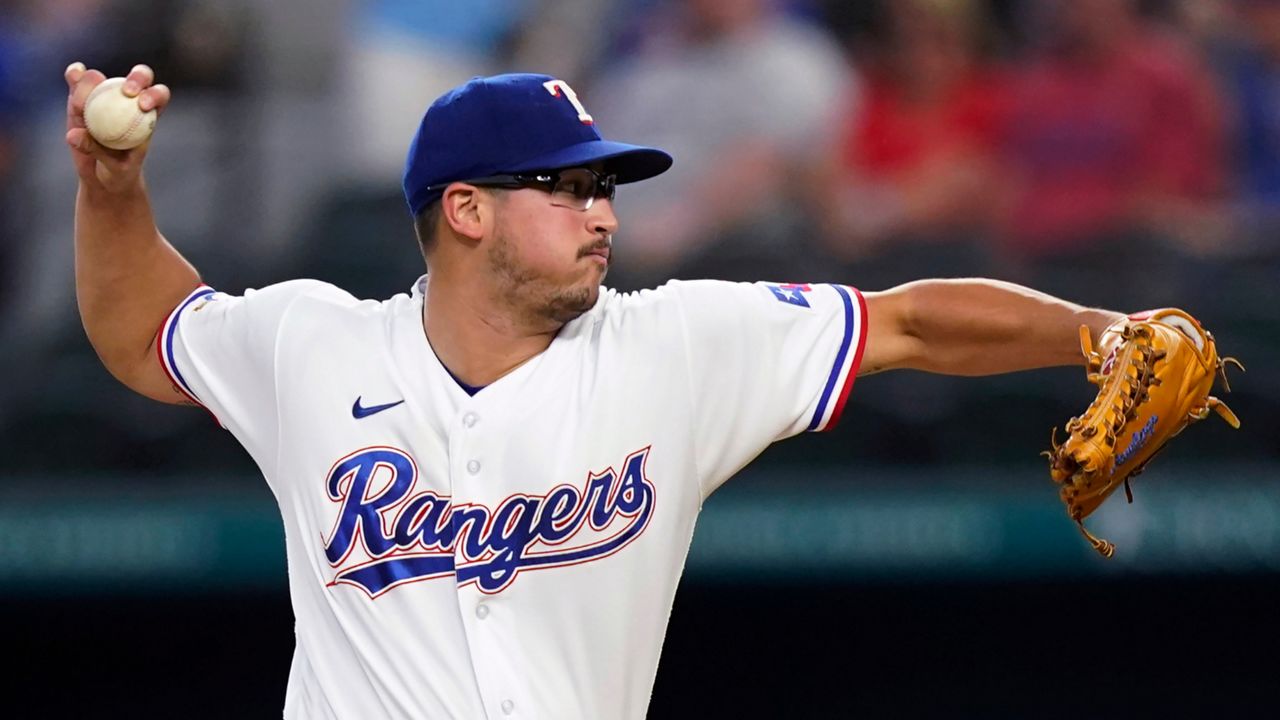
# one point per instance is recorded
(510, 124)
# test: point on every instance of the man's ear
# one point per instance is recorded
(466, 210)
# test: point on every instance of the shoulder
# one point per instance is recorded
(642, 314)
(284, 294)
(314, 320)
(712, 302)
(615, 309)
(302, 303)
(673, 297)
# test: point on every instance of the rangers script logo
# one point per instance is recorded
(406, 538)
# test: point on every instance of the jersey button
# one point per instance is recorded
(473, 466)
(470, 419)
(508, 707)
(482, 611)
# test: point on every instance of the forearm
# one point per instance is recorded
(128, 277)
(985, 327)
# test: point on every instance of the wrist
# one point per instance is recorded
(1098, 320)
(122, 201)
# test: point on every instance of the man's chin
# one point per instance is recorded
(592, 295)
(572, 303)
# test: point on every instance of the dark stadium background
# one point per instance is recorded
(914, 562)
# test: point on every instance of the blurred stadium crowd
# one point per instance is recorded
(1121, 153)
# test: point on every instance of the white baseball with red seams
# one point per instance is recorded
(512, 552)
(114, 119)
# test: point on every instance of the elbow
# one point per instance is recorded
(142, 374)
(909, 304)
(910, 315)
(895, 330)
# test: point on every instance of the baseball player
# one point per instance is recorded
(490, 482)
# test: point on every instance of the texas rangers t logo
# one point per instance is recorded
(560, 88)
(407, 538)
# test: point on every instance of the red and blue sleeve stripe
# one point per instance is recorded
(164, 344)
(848, 359)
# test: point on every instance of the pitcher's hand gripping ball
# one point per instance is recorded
(1154, 371)
(114, 119)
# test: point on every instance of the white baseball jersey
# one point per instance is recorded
(512, 553)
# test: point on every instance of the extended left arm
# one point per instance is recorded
(974, 327)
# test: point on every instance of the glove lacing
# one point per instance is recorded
(1124, 389)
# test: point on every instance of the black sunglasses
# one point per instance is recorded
(575, 188)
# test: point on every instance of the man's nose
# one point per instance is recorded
(601, 219)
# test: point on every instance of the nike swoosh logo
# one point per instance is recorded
(358, 412)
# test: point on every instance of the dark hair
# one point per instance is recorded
(424, 225)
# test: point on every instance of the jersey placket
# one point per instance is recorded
(489, 623)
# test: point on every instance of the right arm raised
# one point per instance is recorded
(128, 277)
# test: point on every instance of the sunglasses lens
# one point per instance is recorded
(578, 188)
(577, 184)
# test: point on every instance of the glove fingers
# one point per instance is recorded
(1224, 412)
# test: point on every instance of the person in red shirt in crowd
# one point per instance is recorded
(1115, 138)
(911, 180)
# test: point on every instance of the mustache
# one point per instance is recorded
(601, 244)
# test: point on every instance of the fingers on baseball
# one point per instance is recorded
(138, 79)
(156, 96)
(84, 84)
(82, 152)
(83, 143)
(72, 74)
(79, 140)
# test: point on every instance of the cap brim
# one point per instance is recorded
(631, 163)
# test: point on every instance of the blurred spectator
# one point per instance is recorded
(403, 54)
(196, 46)
(1254, 75)
(33, 36)
(1210, 24)
(562, 38)
(191, 44)
(1116, 134)
(916, 164)
(741, 94)
(10, 114)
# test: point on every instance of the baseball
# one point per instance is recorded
(114, 119)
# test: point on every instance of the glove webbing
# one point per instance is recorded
(1122, 392)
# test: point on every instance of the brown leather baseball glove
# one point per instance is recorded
(1154, 371)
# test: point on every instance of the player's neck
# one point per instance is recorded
(478, 341)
